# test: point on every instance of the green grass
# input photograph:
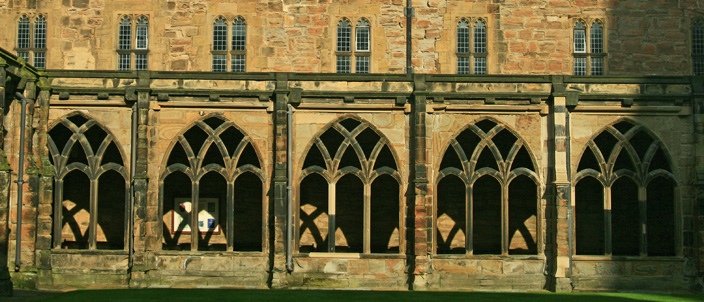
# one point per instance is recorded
(218, 295)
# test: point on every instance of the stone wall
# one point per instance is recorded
(527, 37)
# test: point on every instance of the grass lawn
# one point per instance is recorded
(213, 295)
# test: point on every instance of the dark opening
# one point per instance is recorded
(111, 211)
(625, 217)
(504, 141)
(451, 216)
(349, 215)
(661, 217)
(176, 185)
(486, 159)
(451, 159)
(641, 142)
(95, 136)
(212, 212)
(213, 122)
(588, 161)
(232, 138)
(195, 137)
(485, 125)
(112, 155)
(77, 155)
(60, 135)
(349, 159)
(486, 198)
(78, 120)
(522, 216)
(623, 127)
(314, 158)
(178, 156)
(248, 157)
(350, 124)
(367, 140)
(589, 217)
(314, 215)
(385, 159)
(385, 230)
(522, 160)
(76, 211)
(213, 156)
(623, 161)
(469, 141)
(659, 161)
(332, 140)
(248, 213)
(606, 142)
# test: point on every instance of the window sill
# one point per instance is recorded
(627, 258)
(209, 253)
(89, 252)
(488, 257)
(319, 255)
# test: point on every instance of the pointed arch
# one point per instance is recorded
(211, 152)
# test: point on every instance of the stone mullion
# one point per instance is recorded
(608, 244)
(195, 230)
(643, 214)
(367, 218)
(504, 219)
(331, 216)
(277, 229)
(58, 214)
(230, 227)
(93, 223)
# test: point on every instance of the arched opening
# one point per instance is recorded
(111, 211)
(248, 213)
(625, 217)
(486, 218)
(661, 217)
(451, 216)
(314, 216)
(176, 192)
(349, 214)
(522, 216)
(589, 217)
(385, 231)
(75, 211)
(212, 212)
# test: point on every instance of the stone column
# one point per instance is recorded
(420, 217)
(559, 209)
(698, 219)
(277, 242)
(144, 226)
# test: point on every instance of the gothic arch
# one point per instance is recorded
(490, 164)
(353, 164)
(85, 154)
(212, 168)
(626, 159)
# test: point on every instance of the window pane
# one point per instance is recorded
(480, 37)
(125, 34)
(142, 33)
(463, 37)
(463, 65)
(219, 62)
(699, 66)
(40, 33)
(239, 36)
(479, 65)
(24, 55)
(596, 38)
(140, 61)
(361, 64)
(580, 66)
(219, 36)
(362, 36)
(238, 63)
(597, 66)
(343, 64)
(344, 32)
(23, 33)
(124, 61)
(698, 39)
(579, 38)
(39, 60)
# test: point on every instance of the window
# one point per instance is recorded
(350, 192)
(31, 40)
(625, 195)
(588, 51)
(133, 45)
(487, 194)
(348, 50)
(237, 52)
(471, 47)
(698, 48)
(90, 188)
(212, 169)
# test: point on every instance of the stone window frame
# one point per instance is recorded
(469, 174)
(332, 173)
(94, 169)
(471, 52)
(697, 46)
(130, 55)
(196, 170)
(590, 56)
(348, 58)
(34, 39)
(607, 177)
(234, 54)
